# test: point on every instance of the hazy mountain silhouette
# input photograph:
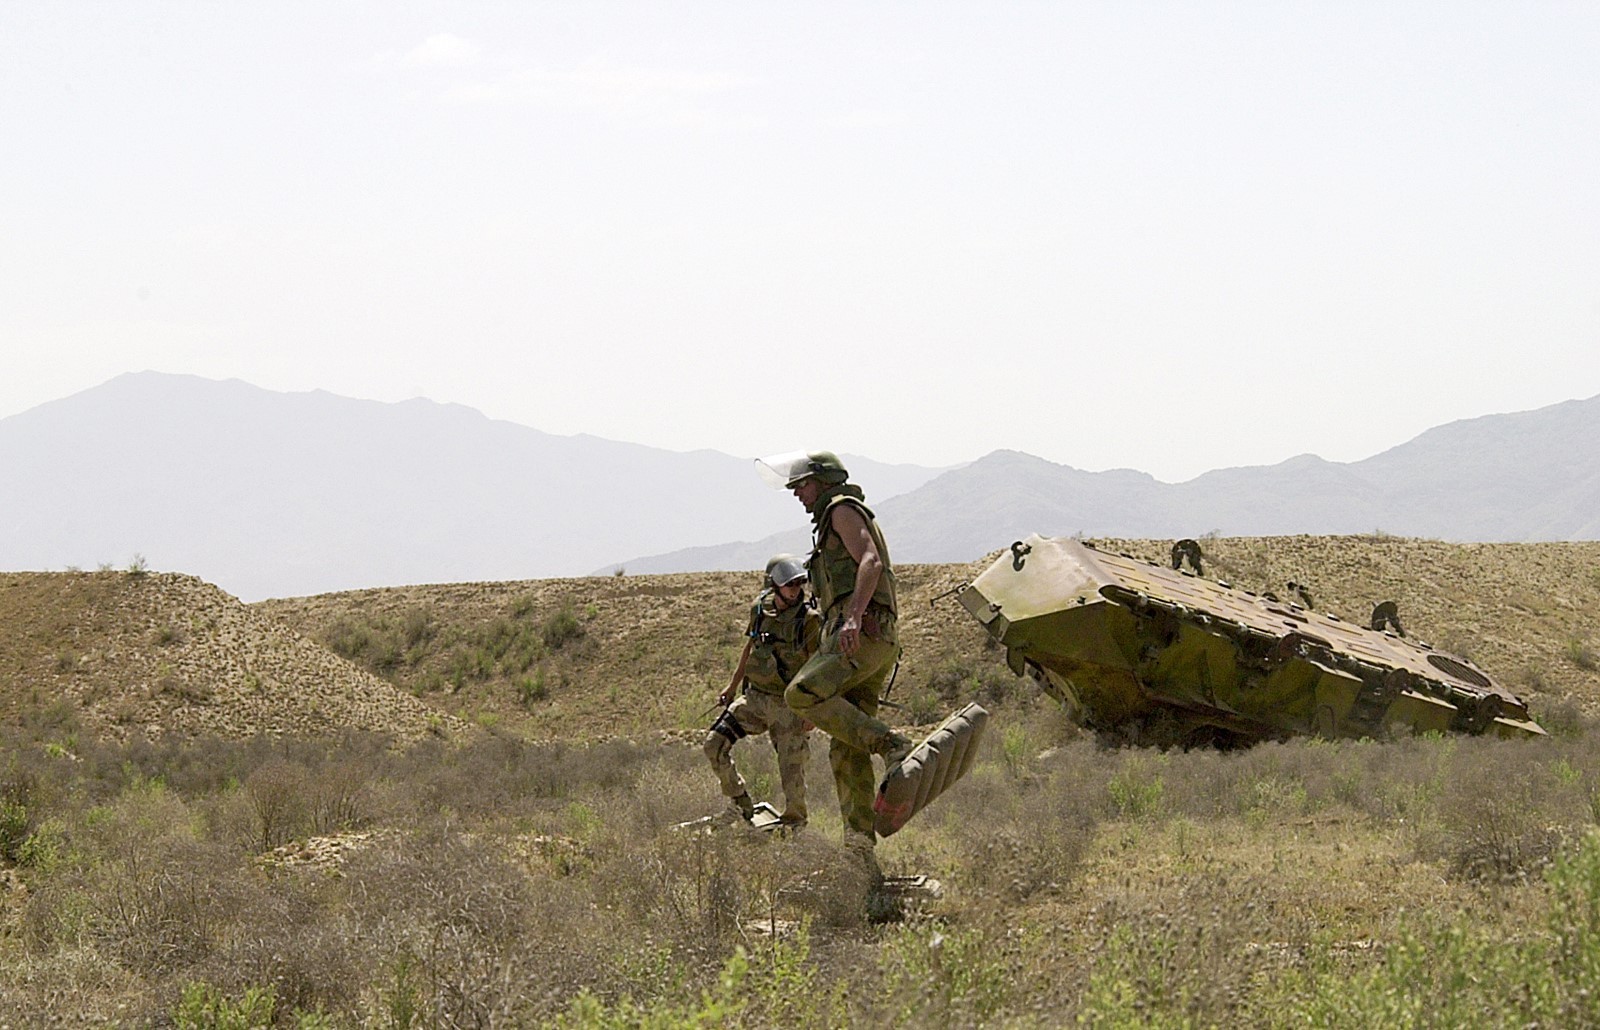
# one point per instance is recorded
(1528, 476)
(279, 494)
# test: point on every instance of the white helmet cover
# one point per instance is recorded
(782, 470)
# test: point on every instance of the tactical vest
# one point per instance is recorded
(832, 569)
(779, 642)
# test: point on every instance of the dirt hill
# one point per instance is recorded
(641, 653)
(170, 654)
(638, 655)
(610, 655)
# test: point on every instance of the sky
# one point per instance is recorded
(1171, 237)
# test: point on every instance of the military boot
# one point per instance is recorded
(895, 749)
(861, 848)
(745, 807)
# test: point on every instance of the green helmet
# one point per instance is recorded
(783, 569)
(786, 470)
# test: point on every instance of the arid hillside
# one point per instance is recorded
(166, 654)
(630, 654)
(634, 656)
(538, 872)
(610, 655)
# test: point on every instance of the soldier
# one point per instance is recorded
(783, 632)
(838, 688)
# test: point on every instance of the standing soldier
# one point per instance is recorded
(783, 633)
(839, 687)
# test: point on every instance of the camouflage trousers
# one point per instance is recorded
(839, 693)
(756, 712)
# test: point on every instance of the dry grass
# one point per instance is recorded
(511, 883)
(507, 878)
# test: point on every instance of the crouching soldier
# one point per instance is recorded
(783, 633)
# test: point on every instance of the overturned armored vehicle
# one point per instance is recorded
(1145, 654)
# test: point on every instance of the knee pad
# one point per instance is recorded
(729, 727)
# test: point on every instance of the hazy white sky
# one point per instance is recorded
(1164, 236)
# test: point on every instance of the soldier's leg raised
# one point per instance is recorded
(840, 695)
(827, 688)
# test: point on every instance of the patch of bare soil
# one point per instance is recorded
(170, 654)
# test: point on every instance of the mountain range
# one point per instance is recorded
(272, 494)
(1532, 475)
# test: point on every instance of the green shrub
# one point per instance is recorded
(532, 689)
(561, 628)
(15, 827)
(204, 1007)
(1136, 789)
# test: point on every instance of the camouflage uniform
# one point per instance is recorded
(838, 692)
(781, 640)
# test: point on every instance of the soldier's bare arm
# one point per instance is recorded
(853, 533)
(731, 691)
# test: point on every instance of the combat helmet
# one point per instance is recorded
(784, 471)
(783, 569)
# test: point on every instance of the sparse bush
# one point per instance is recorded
(16, 824)
(1454, 971)
(1137, 788)
(946, 976)
(561, 628)
(18, 791)
(531, 689)
(141, 885)
(1564, 717)
(1502, 821)
(339, 797)
(920, 706)
(1579, 653)
(416, 627)
(203, 1007)
(278, 797)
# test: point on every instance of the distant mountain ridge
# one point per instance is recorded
(274, 494)
(1528, 476)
